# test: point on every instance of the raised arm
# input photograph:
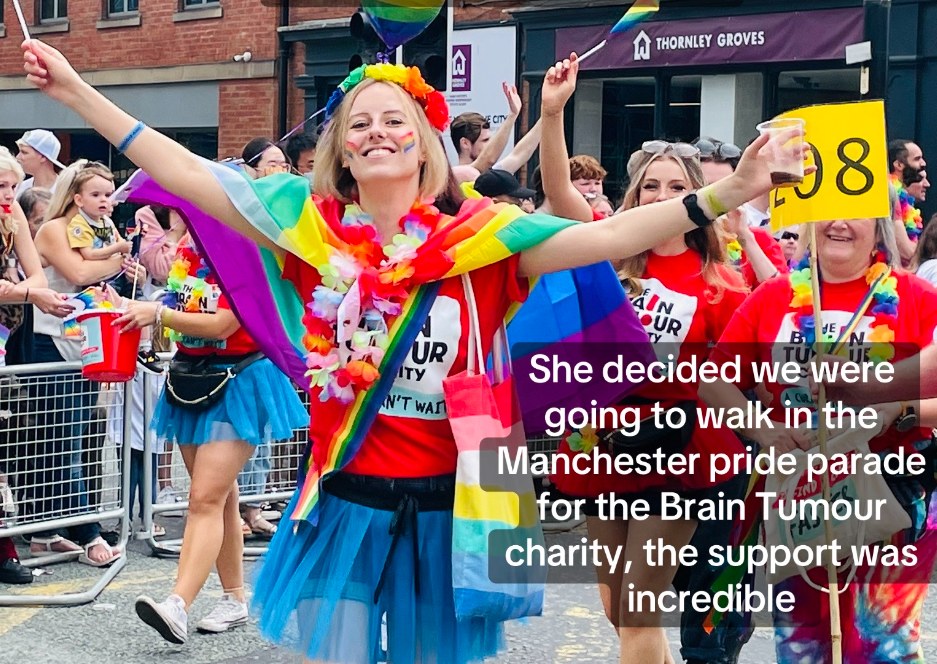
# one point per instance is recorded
(636, 230)
(523, 150)
(167, 162)
(558, 86)
(493, 149)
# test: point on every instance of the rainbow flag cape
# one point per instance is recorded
(639, 11)
(282, 209)
(398, 21)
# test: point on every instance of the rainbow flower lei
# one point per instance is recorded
(884, 309)
(734, 250)
(175, 286)
(368, 283)
(409, 78)
(910, 215)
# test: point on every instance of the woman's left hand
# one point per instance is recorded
(737, 224)
(138, 315)
(890, 411)
(6, 287)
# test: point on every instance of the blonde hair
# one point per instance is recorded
(70, 182)
(332, 179)
(9, 164)
(709, 242)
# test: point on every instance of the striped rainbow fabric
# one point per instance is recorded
(638, 12)
(398, 21)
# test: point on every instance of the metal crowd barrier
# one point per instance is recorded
(283, 458)
(63, 463)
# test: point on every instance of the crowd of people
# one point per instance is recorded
(692, 231)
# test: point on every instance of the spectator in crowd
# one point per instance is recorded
(789, 239)
(502, 187)
(301, 151)
(16, 244)
(261, 157)
(35, 202)
(925, 256)
(587, 175)
(602, 205)
(63, 405)
(39, 156)
(906, 172)
(905, 157)
(751, 250)
(478, 149)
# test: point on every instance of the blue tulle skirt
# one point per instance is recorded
(314, 591)
(260, 405)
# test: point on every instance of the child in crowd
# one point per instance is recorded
(91, 231)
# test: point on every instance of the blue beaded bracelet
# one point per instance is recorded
(131, 137)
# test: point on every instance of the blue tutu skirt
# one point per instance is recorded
(314, 591)
(260, 405)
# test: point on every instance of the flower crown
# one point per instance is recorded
(409, 78)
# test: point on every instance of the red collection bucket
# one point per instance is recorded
(107, 355)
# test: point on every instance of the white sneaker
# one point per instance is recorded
(227, 613)
(167, 496)
(168, 618)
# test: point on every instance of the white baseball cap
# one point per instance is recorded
(45, 143)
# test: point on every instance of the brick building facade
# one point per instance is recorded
(172, 64)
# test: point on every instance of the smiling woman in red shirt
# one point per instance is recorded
(684, 294)
(880, 313)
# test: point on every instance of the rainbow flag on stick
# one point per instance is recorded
(640, 11)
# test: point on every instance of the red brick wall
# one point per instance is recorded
(246, 109)
(157, 42)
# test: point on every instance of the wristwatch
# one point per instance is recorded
(695, 212)
(908, 418)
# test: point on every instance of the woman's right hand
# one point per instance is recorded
(780, 439)
(50, 302)
(6, 287)
(753, 174)
(49, 70)
(559, 85)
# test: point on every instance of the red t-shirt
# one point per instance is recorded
(209, 302)
(763, 330)
(411, 436)
(772, 250)
(676, 310)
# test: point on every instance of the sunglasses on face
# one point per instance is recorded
(787, 235)
(708, 149)
(663, 147)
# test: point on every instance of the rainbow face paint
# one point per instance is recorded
(408, 142)
(350, 149)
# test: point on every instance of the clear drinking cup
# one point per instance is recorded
(786, 155)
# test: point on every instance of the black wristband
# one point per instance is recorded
(695, 212)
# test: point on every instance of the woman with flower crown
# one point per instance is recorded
(382, 272)
(878, 313)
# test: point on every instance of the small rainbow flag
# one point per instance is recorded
(639, 11)
(398, 21)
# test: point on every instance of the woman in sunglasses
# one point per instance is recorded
(684, 293)
(751, 250)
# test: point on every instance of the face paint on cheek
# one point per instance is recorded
(408, 142)
(350, 149)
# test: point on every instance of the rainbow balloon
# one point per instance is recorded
(640, 10)
(398, 21)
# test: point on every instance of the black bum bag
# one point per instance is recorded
(198, 383)
(649, 438)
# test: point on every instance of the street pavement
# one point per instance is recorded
(572, 630)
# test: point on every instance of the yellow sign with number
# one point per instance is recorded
(849, 149)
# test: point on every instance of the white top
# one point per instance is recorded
(69, 349)
(928, 271)
(28, 183)
(755, 217)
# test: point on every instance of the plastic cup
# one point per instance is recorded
(785, 156)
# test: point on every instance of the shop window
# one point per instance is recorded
(825, 86)
(627, 121)
(683, 112)
(53, 10)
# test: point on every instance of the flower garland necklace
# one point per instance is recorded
(884, 288)
(734, 251)
(363, 288)
(178, 285)
(910, 215)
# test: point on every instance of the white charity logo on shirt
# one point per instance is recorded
(665, 314)
(418, 392)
